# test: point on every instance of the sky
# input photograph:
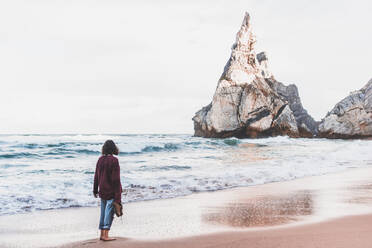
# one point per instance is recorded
(145, 66)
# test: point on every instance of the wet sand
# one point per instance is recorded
(316, 211)
(346, 232)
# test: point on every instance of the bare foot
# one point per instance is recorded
(102, 235)
(105, 236)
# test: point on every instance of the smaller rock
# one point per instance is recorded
(351, 117)
(263, 67)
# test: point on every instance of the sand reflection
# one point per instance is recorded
(262, 211)
(361, 194)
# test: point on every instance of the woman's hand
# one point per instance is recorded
(95, 195)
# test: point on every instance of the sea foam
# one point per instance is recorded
(56, 171)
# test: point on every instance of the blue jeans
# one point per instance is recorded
(107, 214)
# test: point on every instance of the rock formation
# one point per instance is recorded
(249, 102)
(351, 117)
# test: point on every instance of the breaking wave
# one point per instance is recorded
(56, 171)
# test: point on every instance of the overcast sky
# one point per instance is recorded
(145, 66)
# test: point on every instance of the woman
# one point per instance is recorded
(108, 186)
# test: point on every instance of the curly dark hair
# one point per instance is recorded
(109, 147)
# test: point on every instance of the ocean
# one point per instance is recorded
(39, 172)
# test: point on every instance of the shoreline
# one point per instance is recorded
(262, 208)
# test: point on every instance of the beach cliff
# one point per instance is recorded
(249, 102)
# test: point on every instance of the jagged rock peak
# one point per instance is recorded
(351, 117)
(242, 66)
(248, 101)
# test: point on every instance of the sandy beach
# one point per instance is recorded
(341, 233)
(321, 211)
